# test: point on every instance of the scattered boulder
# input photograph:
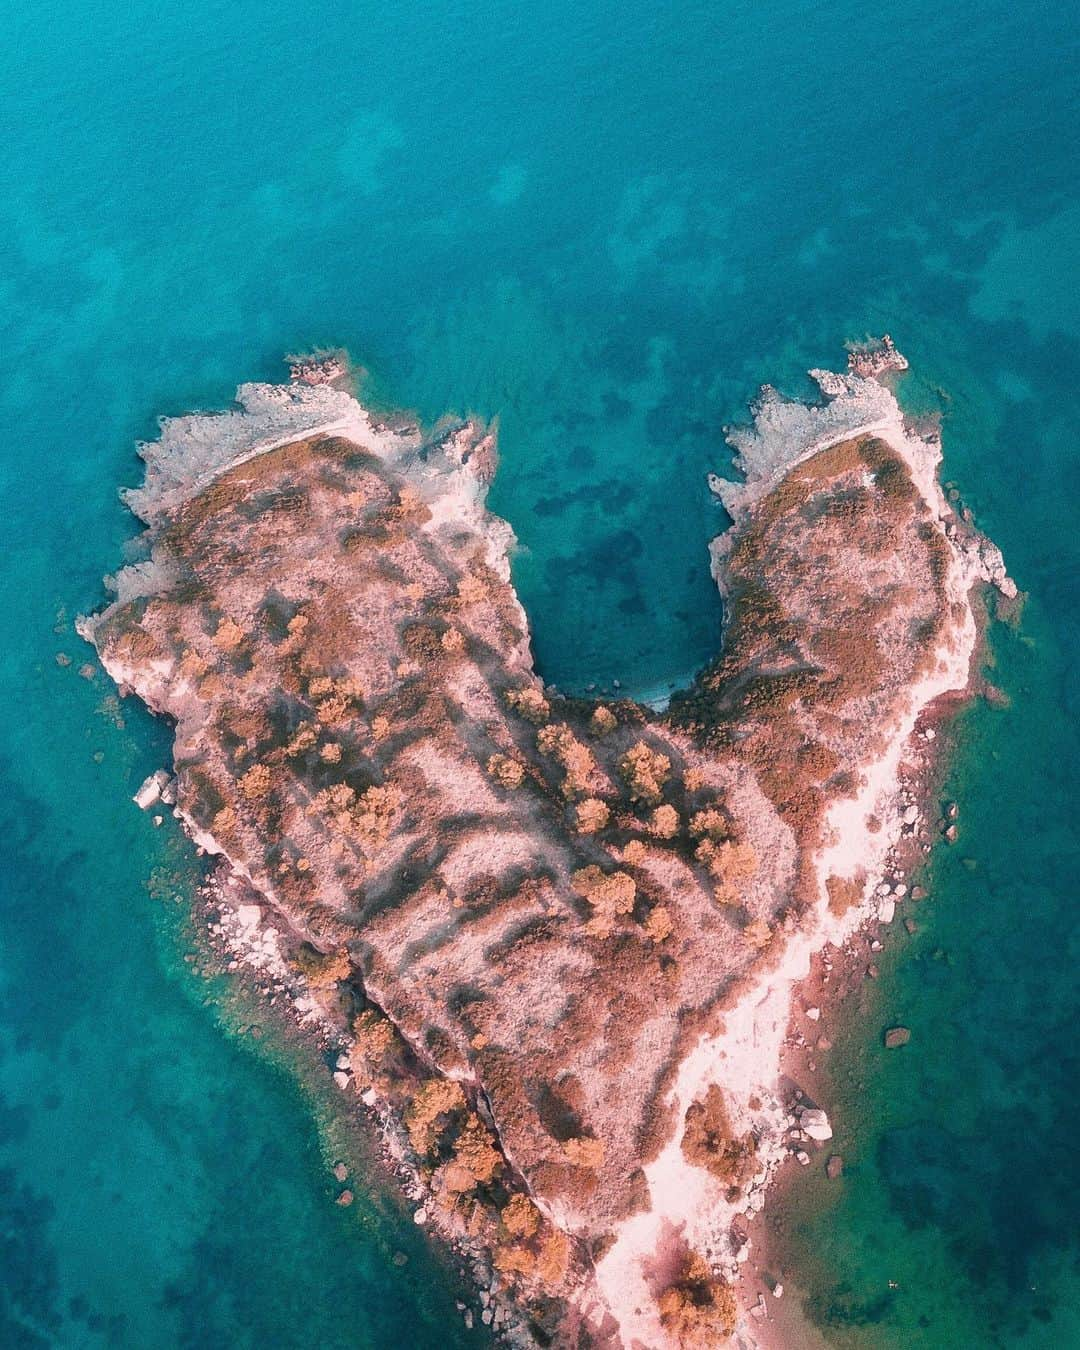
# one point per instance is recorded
(834, 1167)
(344, 1199)
(815, 1124)
(340, 1171)
(149, 793)
(896, 1036)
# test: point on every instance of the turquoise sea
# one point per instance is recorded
(606, 224)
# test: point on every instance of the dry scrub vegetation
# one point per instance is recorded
(709, 1141)
(697, 1310)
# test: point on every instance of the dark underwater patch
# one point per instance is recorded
(840, 1307)
(30, 1318)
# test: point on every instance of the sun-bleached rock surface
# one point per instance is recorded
(554, 940)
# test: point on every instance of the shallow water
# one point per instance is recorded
(606, 226)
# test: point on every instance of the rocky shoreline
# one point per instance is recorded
(326, 613)
(245, 942)
(794, 1126)
(820, 1002)
(839, 971)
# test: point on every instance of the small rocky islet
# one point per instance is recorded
(550, 943)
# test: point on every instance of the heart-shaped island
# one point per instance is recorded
(549, 944)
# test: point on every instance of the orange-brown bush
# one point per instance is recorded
(530, 703)
(708, 1141)
(475, 1159)
(609, 894)
(452, 642)
(711, 823)
(729, 864)
(304, 739)
(520, 1216)
(323, 970)
(603, 721)
(591, 815)
(256, 782)
(507, 772)
(223, 826)
(575, 758)
(426, 1116)
(367, 818)
(645, 771)
(659, 924)
(374, 1040)
(584, 1152)
(229, 635)
(697, 1310)
(844, 892)
(134, 646)
(554, 1258)
(664, 822)
(513, 1259)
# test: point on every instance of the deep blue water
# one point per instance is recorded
(607, 225)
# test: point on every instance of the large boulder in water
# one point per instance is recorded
(815, 1124)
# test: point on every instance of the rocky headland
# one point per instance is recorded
(549, 944)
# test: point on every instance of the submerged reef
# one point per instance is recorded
(550, 942)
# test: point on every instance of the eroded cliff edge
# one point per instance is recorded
(551, 942)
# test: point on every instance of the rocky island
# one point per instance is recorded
(548, 944)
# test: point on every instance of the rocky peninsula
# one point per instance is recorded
(549, 944)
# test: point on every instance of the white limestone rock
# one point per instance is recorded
(815, 1124)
